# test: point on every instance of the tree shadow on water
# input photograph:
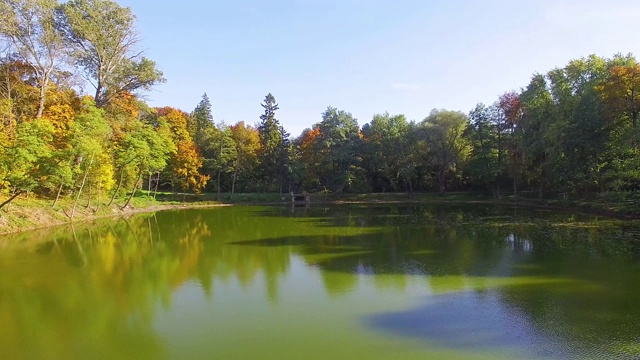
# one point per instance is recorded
(474, 321)
(401, 251)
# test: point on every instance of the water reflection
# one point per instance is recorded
(548, 285)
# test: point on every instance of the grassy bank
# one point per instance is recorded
(31, 213)
(26, 213)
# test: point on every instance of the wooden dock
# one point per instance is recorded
(300, 198)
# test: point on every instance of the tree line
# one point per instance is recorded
(572, 130)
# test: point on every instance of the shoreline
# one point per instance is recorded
(52, 220)
(27, 215)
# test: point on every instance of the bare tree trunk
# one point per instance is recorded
(57, 195)
(118, 187)
(84, 179)
(135, 187)
(233, 184)
(219, 173)
(99, 199)
(541, 190)
(43, 94)
(155, 218)
(441, 179)
(149, 227)
(149, 188)
(155, 189)
(97, 98)
(15, 195)
(90, 195)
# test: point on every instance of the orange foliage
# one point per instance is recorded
(309, 156)
(186, 163)
(126, 104)
(308, 139)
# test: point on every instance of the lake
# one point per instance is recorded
(325, 282)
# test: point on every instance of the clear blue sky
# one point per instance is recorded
(367, 56)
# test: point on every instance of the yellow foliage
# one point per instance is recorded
(61, 116)
(177, 121)
(103, 172)
(186, 164)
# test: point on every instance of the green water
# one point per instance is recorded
(343, 282)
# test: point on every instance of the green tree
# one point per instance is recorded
(447, 148)
(153, 153)
(24, 162)
(483, 168)
(90, 136)
(201, 120)
(273, 146)
(104, 39)
(339, 146)
(538, 107)
(388, 151)
(219, 153)
(580, 132)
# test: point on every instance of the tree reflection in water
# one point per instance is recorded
(497, 278)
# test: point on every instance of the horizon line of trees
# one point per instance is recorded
(572, 130)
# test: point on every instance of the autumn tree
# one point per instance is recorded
(308, 160)
(31, 28)
(247, 145)
(19, 92)
(511, 110)
(184, 165)
(621, 92)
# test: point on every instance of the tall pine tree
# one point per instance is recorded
(201, 120)
(274, 145)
